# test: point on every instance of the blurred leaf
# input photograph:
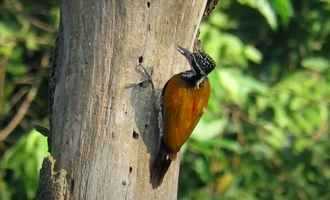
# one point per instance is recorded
(316, 63)
(25, 160)
(283, 9)
(16, 69)
(253, 54)
(31, 42)
(201, 169)
(226, 144)
(5, 192)
(238, 86)
(224, 182)
(6, 30)
(264, 7)
(220, 20)
(208, 130)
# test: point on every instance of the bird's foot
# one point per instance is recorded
(147, 76)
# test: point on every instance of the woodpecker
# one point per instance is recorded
(184, 98)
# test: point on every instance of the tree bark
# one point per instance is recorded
(103, 124)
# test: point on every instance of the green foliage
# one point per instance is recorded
(20, 165)
(265, 135)
(27, 31)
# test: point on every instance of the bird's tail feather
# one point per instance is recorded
(160, 165)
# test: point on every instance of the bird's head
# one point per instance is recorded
(201, 63)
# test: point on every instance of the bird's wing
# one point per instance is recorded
(183, 106)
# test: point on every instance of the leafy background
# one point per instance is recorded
(266, 132)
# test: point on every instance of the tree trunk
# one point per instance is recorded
(103, 123)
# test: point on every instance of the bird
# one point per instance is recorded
(183, 100)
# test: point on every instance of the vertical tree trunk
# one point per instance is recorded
(103, 129)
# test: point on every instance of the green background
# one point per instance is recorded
(266, 131)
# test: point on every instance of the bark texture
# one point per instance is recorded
(103, 123)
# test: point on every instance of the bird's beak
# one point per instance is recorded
(185, 52)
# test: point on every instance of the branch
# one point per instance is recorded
(53, 183)
(210, 5)
(19, 116)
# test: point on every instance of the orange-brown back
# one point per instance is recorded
(183, 106)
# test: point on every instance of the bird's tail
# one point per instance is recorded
(161, 164)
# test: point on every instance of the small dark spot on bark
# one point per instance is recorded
(135, 135)
(149, 27)
(113, 134)
(148, 4)
(123, 183)
(130, 169)
(141, 59)
(146, 125)
(125, 112)
(143, 84)
(72, 185)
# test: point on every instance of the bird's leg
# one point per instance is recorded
(147, 75)
(147, 78)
